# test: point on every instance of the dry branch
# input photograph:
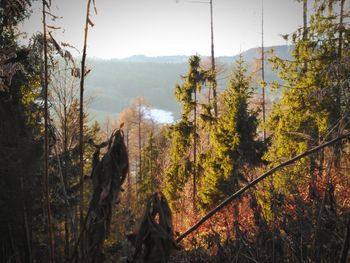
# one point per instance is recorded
(257, 180)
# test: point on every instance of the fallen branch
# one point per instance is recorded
(257, 180)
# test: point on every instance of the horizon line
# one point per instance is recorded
(181, 55)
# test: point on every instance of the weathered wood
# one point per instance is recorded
(108, 175)
(154, 240)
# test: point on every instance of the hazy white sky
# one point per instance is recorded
(169, 27)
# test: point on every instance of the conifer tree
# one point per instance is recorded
(312, 110)
(183, 134)
(234, 141)
(149, 169)
(311, 106)
(21, 141)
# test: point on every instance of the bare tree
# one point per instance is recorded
(46, 149)
(81, 118)
(138, 125)
(64, 103)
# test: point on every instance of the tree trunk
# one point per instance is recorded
(195, 150)
(138, 176)
(15, 250)
(46, 150)
(214, 84)
(338, 89)
(81, 125)
(26, 225)
(305, 30)
(263, 71)
(305, 19)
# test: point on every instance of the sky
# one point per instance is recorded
(123, 28)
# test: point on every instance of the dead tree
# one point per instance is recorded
(154, 240)
(108, 175)
(46, 149)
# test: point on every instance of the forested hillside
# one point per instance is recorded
(241, 175)
(154, 78)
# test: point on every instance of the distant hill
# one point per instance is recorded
(115, 83)
(162, 59)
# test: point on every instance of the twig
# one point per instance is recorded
(257, 180)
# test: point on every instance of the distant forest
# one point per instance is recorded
(115, 83)
(255, 167)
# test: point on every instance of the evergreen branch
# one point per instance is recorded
(257, 180)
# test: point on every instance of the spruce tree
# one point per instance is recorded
(183, 134)
(149, 169)
(21, 145)
(313, 109)
(314, 96)
(234, 141)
